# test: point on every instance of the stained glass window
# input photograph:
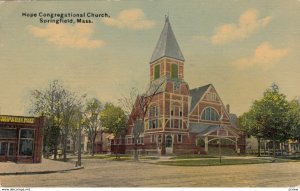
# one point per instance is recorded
(210, 114)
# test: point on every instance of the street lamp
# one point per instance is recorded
(220, 156)
(220, 124)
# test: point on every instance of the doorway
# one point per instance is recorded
(169, 144)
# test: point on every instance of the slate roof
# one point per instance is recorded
(196, 94)
(233, 119)
(157, 86)
(202, 129)
(138, 128)
(167, 45)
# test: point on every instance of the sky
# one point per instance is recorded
(241, 47)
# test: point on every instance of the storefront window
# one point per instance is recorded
(26, 142)
(8, 133)
(3, 147)
(11, 149)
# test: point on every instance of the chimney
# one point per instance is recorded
(228, 108)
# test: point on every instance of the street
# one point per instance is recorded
(104, 173)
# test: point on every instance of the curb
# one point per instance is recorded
(40, 172)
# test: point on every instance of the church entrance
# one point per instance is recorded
(159, 144)
(169, 144)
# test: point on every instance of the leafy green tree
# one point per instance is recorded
(51, 137)
(274, 110)
(270, 117)
(92, 122)
(295, 119)
(248, 123)
(114, 121)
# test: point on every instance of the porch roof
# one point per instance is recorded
(202, 128)
(206, 129)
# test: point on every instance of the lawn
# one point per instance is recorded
(119, 158)
(195, 160)
(212, 162)
(193, 156)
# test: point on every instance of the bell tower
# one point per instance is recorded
(167, 119)
(167, 60)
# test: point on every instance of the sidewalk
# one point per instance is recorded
(47, 166)
(159, 158)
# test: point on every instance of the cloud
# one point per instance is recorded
(248, 24)
(130, 18)
(264, 56)
(72, 36)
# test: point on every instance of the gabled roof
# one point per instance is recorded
(167, 45)
(196, 94)
(138, 127)
(202, 129)
(205, 129)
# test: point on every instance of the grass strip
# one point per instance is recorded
(212, 162)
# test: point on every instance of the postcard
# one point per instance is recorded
(149, 93)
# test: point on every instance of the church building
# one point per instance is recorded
(180, 120)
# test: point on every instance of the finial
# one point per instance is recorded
(167, 17)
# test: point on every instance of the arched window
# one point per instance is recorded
(210, 114)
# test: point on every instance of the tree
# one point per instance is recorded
(70, 103)
(274, 115)
(52, 137)
(295, 119)
(92, 122)
(46, 103)
(58, 105)
(270, 117)
(74, 128)
(249, 125)
(136, 107)
(114, 121)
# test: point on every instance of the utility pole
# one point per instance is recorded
(79, 142)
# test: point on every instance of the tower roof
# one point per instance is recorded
(167, 45)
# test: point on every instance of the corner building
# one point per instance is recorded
(181, 120)
(21, 139)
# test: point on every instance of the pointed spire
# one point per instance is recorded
(167, 44)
